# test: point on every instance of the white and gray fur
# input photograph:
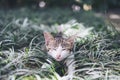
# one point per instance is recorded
(60, 48)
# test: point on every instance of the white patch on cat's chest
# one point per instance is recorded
(59, 53)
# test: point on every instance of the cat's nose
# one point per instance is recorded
(58, 56)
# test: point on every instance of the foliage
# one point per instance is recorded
(21, 45)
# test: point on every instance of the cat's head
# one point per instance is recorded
(58, 47)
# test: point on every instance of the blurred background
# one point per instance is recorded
(94, 4)
(110, 9)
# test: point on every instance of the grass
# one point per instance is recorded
(22, 54)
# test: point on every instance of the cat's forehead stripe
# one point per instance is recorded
(60, 40)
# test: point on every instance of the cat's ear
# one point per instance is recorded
(48, 37)
(71, 39)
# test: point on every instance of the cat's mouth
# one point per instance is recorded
(58, 59)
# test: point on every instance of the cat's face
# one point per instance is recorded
(58, 47)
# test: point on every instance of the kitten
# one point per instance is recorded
(60, 48)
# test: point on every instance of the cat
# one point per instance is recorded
(60, 48)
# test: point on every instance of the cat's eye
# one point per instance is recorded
(65, 45)
(63, 49)
(49, 48)
(54, 49)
